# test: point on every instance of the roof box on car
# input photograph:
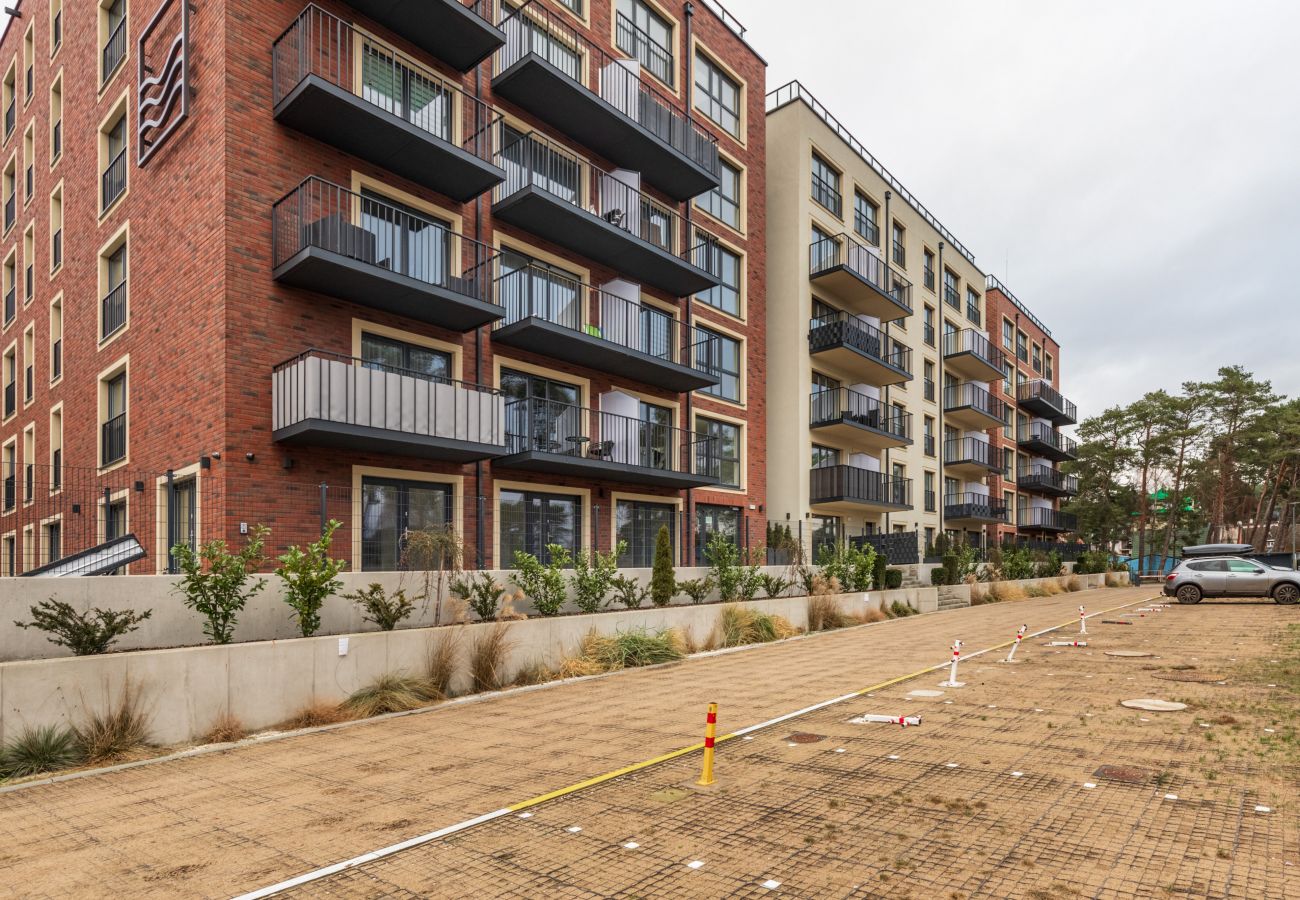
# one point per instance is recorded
(1218, 550)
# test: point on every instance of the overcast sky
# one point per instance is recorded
(1129, 168)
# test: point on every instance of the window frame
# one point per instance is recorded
(716, 72)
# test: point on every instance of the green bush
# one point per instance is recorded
(774, 585)
(216, 583)
(939, 576)
(380, 608)
(1050, 566)
(481, 592)
(663, 582)
(723, 557)
(38, 750)
(695, 588)
(593, 574)
(544, 585)
(310, 575)
(1092, 562)
(900, 610)
(638, 647)
(85, 634)
(1017, 564)
(629, 592)
(879, 566)
(893, 579)
(852, 566)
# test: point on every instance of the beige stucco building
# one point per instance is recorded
(879, 365)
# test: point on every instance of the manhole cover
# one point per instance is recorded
(1152, 705)
(1192, 676)
(803, 737)
(924, 693)
(1129, 654)
(669, 795)
(1126, 774)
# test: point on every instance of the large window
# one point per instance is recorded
(711, 520)
(637, 524)
(390, 509)
(407, 93)
(951, 296)
(717, 95)
(112, 25)
(719, 456)
(723, 202)
(866, 218)
(541, 413)
(112, 444)
(182, 515)
(532, 521)
(826, 185)
(385, 353)
(1008, 334)
(725, 296)
(928, 267)
(642, 33)
(824, 456)
(113, 302)
(720, 355)
(113, 161)
(900, 244)
(407, 241)
(529, 287)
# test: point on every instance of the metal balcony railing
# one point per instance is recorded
(56, 470)
(323, 45)
(968, 340)
(1046, 478)
(56, 359)
(113, 310)
(113, 180)
(56, 249)
(29, 382)
(11, 399)
(927, 334)
(112, 440)
(845, 404)
(929, 278)
(56, 141)
(11, 113)
(843, 250)
(827, 194)
(11, 303)
(632, 40)
(970, 505)
(971, 450)
(951, 297)
(11, 210)
(1037, 432)
(114, 49)
(869, 230)
(973, 313)
(929, 445)
(931, 501)
(10, 492)
(976, 396)
(841, 328)
(1039, 389)
(830, 483)
(532, 28)
(1046, 519)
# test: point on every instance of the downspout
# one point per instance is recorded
(888, 269)
(480, 532)
(938, 438)
(688, 527)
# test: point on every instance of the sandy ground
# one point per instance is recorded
(821, 822)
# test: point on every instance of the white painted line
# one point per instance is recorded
(892, 756)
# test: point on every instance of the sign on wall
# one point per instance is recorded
(164, 73)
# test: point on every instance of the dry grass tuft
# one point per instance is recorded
(741, 625)
(511, 606)
(315, 714)
(441, 659)
(1050, 587)
(871, 614)
(487, 658)
(823, 585)
(536, 672)
(980, 594)
(1074, 584)
(119, 733)
(1117, 579)
(1006, 590)
(579, 667)
(226, 729)
(824, 613)
(392, 692)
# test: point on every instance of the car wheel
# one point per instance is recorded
(1286, 594)
(1189, 593)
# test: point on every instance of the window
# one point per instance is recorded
(9, 556)
(10, 371)
(711, 520)
(725, 296)
(29, 364)
(113, 287)
(929, 436)
(56, 229)
(951, 296)
(11, 193)
(112, 30)
(973, 306)
(56, 26)
(1209, 565)
(387, 354)
(720, 355)
(10, 102)
(655, 436)
(531, 287)
(541, 413)
(927, 331)
(717, 95)
(900, 244)
(1008, 334)
(826, 531)
(646, 36)
(1006, 380)
(10, 472)
(1022, 347)
(824, 456)
(113, 167)
(637, 524)
(1009, 504)
(574, 5)
(1008, 462)
(930, 500)
(408, 241)
(1047, 370)
(56, 448)
(929, 268)
(181, 513)
(56, 339)
(719, 450)
(29, 163)
(10, 288)
(929, 380)
(391, 508)
(53, 542)
(29, 464)
(866, 218)
(56, 119)
(1038, 358)
(723, 202)
(532, 521)
(826, 185)
(112, 441)
(29, 263)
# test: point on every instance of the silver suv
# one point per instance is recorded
(1231, 576)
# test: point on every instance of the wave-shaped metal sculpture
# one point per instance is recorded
(164, 93)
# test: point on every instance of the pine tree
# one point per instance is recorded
(663, 580)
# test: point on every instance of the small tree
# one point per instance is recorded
(435, 551)
(215, 582)
(723, 557)
(544, 584)
(310, 575)
(663, 581)
(85, 634)
(878, 569)
(593, 574)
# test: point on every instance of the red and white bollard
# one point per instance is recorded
(952, 681)
(1083, 622)
(1020, 636)
(904, 721)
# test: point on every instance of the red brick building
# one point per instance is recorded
(1031, 445)
(400, 265)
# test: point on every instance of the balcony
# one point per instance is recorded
(970, 406)
(326, 400)
(1045, 480)
(566, 200)
(344, 88)
(113, 180)
(557, 317)
(1039, 398)
(458, 32)
(855, 346)
(1034, 518)
(551, 70)
(859, 420)
(114, 50)
(850, 489)
(971, 355)
(562, 439)
(858, 279)
(971, 509)
(1046, 442)
(358, 248)
(971, 458)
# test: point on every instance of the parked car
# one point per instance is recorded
(1231, 576)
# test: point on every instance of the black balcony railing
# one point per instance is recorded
(56, 470)
(929, 445)
(971, 505)
(869, 230)
(968, 340)
(843, 329)
(29, 280)
(632, 40)
(10, 492)
(532, 28)
(11, 303)
(827, 194)
(927, 334)
(1038, 433)
(929, 278)
(56, 359)
(113, 180)
(115, 49)
(847, 405)
(971, 450)
(951, 297)
(11, 211)
(11, 113)
(364, 228)
(977, 397)
(900, 254)
(839, 483)
(1046, 519)
(56, 141)
(929, 389)
(1041, 391)
(56, 249)
(322, 45)
(931, 501)
(112, 440)
(1044, 478)
(534, 425)
(842, 250)
(56, 31)
(113, 310)
(29, 382)
(973, 312)
(11, 398)
(29, 483)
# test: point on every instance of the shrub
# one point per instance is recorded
(871, 614)
(939, 576)
(1074, 584)
(852, 566)
(593, 575)
(310, 576)
(723, 557)
(440, 662)
(696, 588)
(119, 732)
(314, 715)
(487, 658)
(435, 551)
(481, 591)
(1017, 564)
(893, 579)
(775, 585)
(220, 591)
(824, 614)
(391, 693)
(629, 592)
(751, 581)
(900, 610)
(37, 750)
(784, 545)
(1092, 562)
(742, 625)
(630, 649)
(544, 584)
(1050, 566)
(879, 566)
(959, 563)
(226, 729)
(85, 634)
(381, 609)
(663, 581)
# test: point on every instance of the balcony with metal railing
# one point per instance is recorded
(971, 406)
(555, 194)
(553, 71)
(1039, 398)
(114, 50)
(1045, 480)
(1035, 518)
(973, 509)
(971, 457)
(973, 356)
(634, 41)
(859, 279)
(112, 440)
(113, 180)
(563, 439)
(330, 400)
(346, 88)
(558, 317)
(359, 248)
(1045, 441)
(851, 489)
(860, 348)
(859, 420)
(113, 310)
(458, 32)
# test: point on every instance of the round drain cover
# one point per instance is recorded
(1151, 705)
(803, 737)
(1129, 654)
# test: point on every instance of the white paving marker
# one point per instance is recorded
(840, 750)
(573, 829)
(925, 692)
(1149, 704)
(892, 756)
(695, 864)
(1089, 785)
(1171, 796)
(631, 845)
(950, 765)
(1262, 809)
(771, 884)
(525, 815)
(1017, 774)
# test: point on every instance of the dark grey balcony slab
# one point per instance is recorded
(1045, 407)
(553, 96)
(448, 29)
(341, 119)
(1048, 482)
(974, 514)
(364, 438)
(555, 219)
(580, 466)
(1045, 520)
(858, 431)
(972, 366)
(558, 342)
(1046, 446)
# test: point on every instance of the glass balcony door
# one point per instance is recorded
(406, 93)
(406, 241)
